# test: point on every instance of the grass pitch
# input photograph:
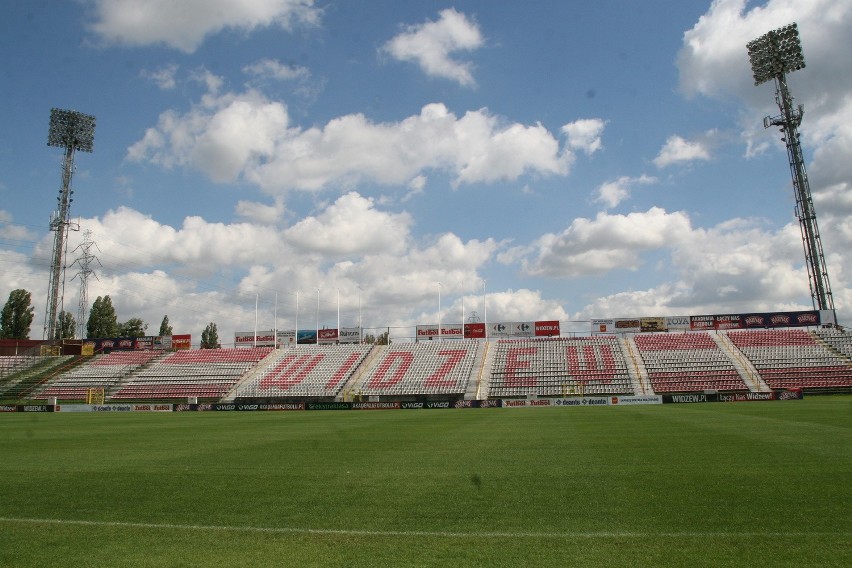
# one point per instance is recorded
(747, 484)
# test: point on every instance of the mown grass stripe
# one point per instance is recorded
(426, 534)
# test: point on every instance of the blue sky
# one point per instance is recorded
(571, 160)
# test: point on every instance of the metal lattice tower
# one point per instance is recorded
(72, 131)
(85, 262)
(772, 56)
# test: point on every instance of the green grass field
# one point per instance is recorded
(746, 484)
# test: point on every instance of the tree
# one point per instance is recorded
(210, 337)
(102, 319)
(134, 327)
(384, 338)
(17, 316)
(66, 327)
(165, 328)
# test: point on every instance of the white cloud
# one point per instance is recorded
(585, 134)
(274, 69)
(184, 24)
(9, 230)
(260, 213)
(164, 77)
(732, 267)
(678, 150)
(351, 225)
(431, 45)
(608, 242)
(249, 136)
(611, 193)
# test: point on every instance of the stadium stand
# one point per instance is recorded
(101, 371)
(840, 341)
(421, 369)
(201, 373)
(684, 362)
(559, 367)
(306, 371)
(11, 364)
(793, 358)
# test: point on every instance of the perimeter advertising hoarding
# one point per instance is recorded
(286, 338)
(652, 324)
(474, 331)
(264, 338)
(156, 342)
(547, 328)
(512, 329)
(182, 341)
(448, 331)
(712, 322)
(350, 335)
(544, 328)
(761, 320)
(677, 323)
(327, 336)
(624, 325)
(306, 337)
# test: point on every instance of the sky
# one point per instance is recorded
(263, 163)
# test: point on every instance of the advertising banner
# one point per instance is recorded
(547, 328)
(523, 329)
(329, 406)
(264, 338)
(144, 343)
(477, 403)
(306, 337)
(732, 321)
(182, 341)
(677, 323)
(474, 331)
(603, 326)
(652, 324)
(699, 323)
(448, 331)
(35, 408)
(350, 335)
(286, 338)
(376, 405)
(8, 408)
(635, 400)
(114, 408)
(512, 329)
(499, 330)
(114, 344)
(623, 325)
(327, 336)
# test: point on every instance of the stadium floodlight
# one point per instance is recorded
(776, 53)
(772, 56)
(73, 131)
(70, 128)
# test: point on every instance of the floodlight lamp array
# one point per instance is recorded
(71, 129)
(776, 53)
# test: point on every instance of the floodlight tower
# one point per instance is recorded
(73, 131)
(772, 56)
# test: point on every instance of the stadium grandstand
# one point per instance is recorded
(641, 361)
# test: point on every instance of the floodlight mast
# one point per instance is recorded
(772, 56)
(72, 131)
